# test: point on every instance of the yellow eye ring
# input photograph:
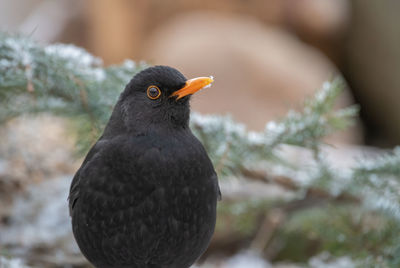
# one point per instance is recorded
(153, 92)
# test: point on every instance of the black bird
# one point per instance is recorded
(146, 193)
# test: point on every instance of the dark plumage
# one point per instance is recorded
(146, 193)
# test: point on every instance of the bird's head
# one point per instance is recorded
(159, 96)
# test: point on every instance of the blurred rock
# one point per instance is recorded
(36, 147)
(119, 29)
(33, 18)
(34, 219)
(321, 23)
(259, 71)
(39, 228)
(318, 18)
(372, 64)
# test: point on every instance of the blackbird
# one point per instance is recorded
(146, 193)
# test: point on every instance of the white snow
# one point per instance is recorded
(71, 52)
(78, 58)
(45, 207)
(322, 94)
(325, 260)
(255, 137)
(129, 64)
(246, 259)
(11, 263)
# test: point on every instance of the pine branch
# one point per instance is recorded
(61, 79)
(230, 142)
(379, 180)
(67, 80)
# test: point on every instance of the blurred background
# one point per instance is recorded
(267, 56)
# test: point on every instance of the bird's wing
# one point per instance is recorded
(74, 189)
(215, 179)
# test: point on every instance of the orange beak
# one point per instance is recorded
(192, 86)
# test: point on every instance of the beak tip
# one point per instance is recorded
(194, 85)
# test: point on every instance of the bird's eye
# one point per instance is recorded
(153, 92)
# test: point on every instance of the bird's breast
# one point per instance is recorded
(153, 199)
